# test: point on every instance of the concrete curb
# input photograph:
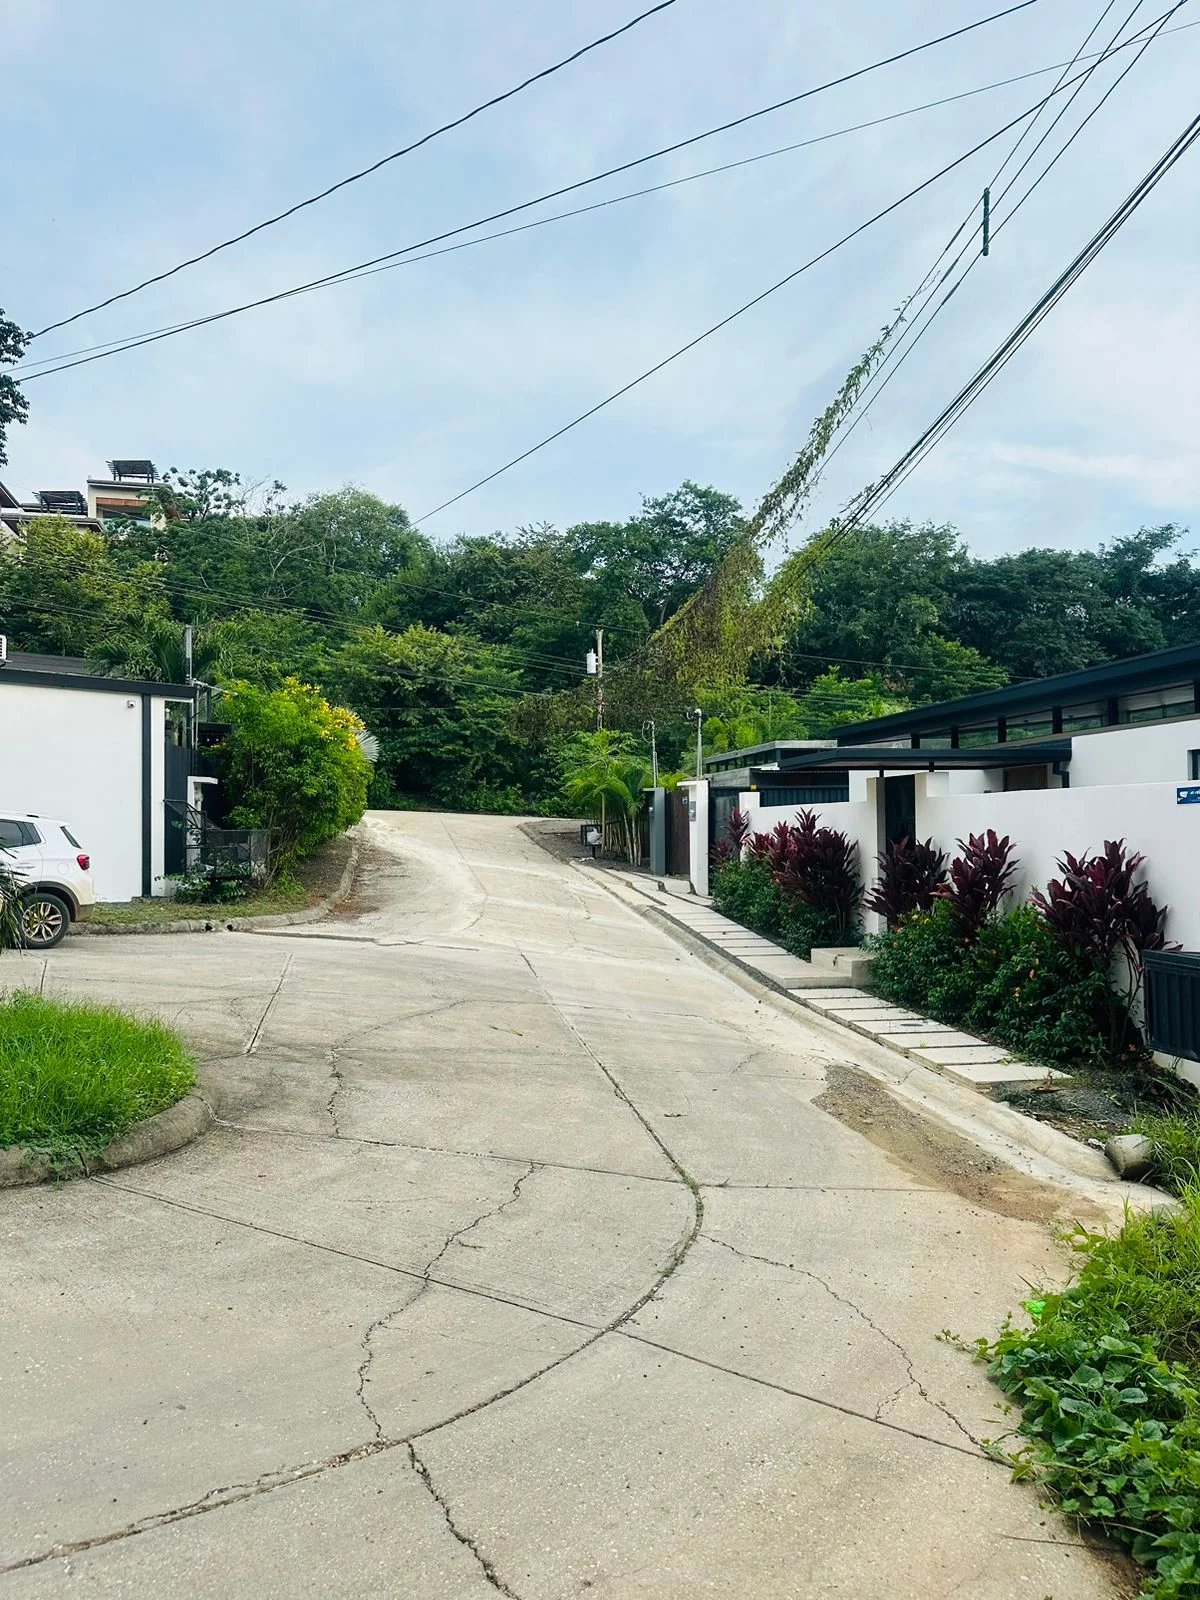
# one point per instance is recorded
(280, 919)
(159, 1135)
(1021, 1141)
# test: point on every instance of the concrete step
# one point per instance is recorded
(848, 959)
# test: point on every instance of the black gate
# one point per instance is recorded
(177, 767)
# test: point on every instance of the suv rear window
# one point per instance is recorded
(71, 839)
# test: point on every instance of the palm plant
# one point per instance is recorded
(154, 648)
(606, 778)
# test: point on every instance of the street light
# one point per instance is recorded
(699, 716)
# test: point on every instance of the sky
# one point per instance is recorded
(152, 139)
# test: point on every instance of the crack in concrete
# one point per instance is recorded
(338, 1084)
(465, 1539)
(911, 1380)
(381, 1323)
(474, 1155)
(251, 1045)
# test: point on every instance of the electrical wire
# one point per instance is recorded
(898, 353)
(361, 268)
(364, 172)
(716, 327)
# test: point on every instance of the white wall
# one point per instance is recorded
(858, 818)
(1152, 752)
(76, 756)
(697, 793)
(1044, 823)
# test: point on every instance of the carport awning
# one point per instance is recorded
(928, 758)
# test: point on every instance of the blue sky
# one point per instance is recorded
(158, 133)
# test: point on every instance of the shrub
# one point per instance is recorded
(10, 909)
(1014, 983)
(747, 892)
(910, 874)
(979, 880)
(921, 964)
(291, 763)
(730, 848)
(74, 1076)
(1098, 912)
(1035, 997)
(1109, 1387)
(814, 867)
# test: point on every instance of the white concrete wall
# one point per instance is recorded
(76, 756)
(697, 793)
(1152, 752)
(858, 818)
(1042, 824)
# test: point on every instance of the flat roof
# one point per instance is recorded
(66, 678)
(929, 758)
(1156, 669)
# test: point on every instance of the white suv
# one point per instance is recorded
(53, 873)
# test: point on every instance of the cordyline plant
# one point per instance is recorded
(1099, 912)
(910, 875)
(729, 849)
(10, 903)
(813, 866)
(979, 879)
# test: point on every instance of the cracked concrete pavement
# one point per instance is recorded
(521, 1262)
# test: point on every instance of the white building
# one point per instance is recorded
(104, 755)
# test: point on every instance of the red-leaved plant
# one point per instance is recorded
(910, 875)
(729, 849)
(979, 879)
(1099, 912)
(816, 867)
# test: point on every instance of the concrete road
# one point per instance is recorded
(523, 1262)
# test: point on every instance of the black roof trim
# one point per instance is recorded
(78, 680)
(902, 758)
(1127, 676)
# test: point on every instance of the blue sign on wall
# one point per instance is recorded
(1187, 794)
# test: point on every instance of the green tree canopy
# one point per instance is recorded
(13, 405)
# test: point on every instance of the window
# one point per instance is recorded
(15, 834)
(71, 839)
(1194, 765)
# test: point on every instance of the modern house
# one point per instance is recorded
(122, 494)
(108, 756)
(1064, 763)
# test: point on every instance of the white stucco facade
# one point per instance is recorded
(94, 759)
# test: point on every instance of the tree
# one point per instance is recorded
(61, 592)
(291, 763)
(13, 405)
(660, 557)
(606, 775)
(440, 706)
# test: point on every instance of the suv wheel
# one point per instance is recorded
(45, 919)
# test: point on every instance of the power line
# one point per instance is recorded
(876, 494)
(364, 172)
(725, 321)
(1152, 31)
(552, 194)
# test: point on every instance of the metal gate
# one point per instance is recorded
(177, 767)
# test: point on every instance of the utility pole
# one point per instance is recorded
(648, 728)
(699, 716)
(187, 653)
(599, 679)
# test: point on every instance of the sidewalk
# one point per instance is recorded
(828, 985)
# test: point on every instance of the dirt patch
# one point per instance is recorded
(321, 873)
(936, 1154)
(557, 836)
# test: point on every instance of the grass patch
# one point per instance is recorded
(286, 894)
(74, 1076)
(1176, 1148)
(1108, 1380)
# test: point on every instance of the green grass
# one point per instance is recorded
(74, 1076)
(284, 895)
(1176, 1147)
(1108, 1380)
